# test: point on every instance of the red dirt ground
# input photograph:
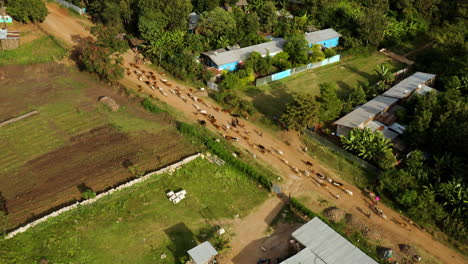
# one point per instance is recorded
(95, 158)
(391, 232)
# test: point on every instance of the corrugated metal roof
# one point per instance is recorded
(406, 87)
(272, 47)
(325, 245)
(366, 111)
(321, 35)
(202, 253)
(242, 54)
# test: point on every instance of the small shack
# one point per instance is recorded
(9, 39)
(204, 253)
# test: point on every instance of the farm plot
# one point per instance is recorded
(74, 143)
(140, 224)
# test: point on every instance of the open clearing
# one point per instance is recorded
(74, 142)
(271, 99)
(139, 224)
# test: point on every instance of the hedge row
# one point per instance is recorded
(219, 149)
(149, 106)
(302, 209)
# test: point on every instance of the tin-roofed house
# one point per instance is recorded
(229, 60)
(323, 245)
(204, 253)
(379, 113)
(328, 38)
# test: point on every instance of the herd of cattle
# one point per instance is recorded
(202, 110)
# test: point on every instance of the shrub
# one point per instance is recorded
(88, 194)
(149, 106)
(27, 10)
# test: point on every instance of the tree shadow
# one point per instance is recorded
(365, 75)
(344, 89)
(274, 104)
(83, 187)
(182, 239)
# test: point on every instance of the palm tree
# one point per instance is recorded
(385, 75)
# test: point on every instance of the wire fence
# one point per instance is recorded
(289, 72)
(80, 10)
(343, 153)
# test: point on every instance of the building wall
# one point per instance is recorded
(6, 19)
(230, 66)
(342, 130)
(329, 43)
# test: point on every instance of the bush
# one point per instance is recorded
(149, 106)
(88, 194)
(95, 58)
(27, 10)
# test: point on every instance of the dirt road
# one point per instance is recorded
(288, 159)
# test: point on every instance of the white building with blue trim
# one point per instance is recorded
(229, 59)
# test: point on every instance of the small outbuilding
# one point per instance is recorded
(323, 245)
(204, 253)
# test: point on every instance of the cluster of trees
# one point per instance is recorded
(27, 10)
(372, 146)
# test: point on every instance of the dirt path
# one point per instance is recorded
(291, 160)
(65, 27)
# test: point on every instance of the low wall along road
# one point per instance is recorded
(169, 168)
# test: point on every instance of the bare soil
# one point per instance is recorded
(297, 185)
(97, 159)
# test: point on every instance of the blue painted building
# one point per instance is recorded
(229, 59)
(328, 38)
(6, 19)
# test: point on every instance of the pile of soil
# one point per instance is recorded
(407, 249)
(334, 214)
(111, 103)
(2, 75)
(372, 234)
(356, 223)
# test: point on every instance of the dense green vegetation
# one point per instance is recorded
(27, 10)
(139, 224)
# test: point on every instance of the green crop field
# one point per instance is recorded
(271, 99)
(139, 224)
(41, 50)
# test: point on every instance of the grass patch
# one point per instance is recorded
(340, 166)
(139, 224)
(126, 122)
(41, 50)
(271, 99)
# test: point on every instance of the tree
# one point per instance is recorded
(27, 10)
(267, 14)
(216, 24)
(100, 60)
(201, 6)
(385, 75)
(317, 54)
(259, 64)
(373, 22)
(280, 60)
(302, 113)
(297, 48)
(330, 104)
(372, 146)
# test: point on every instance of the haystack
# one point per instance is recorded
(334, 214)
(407, 249)
(111, 103)
(372, 234)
